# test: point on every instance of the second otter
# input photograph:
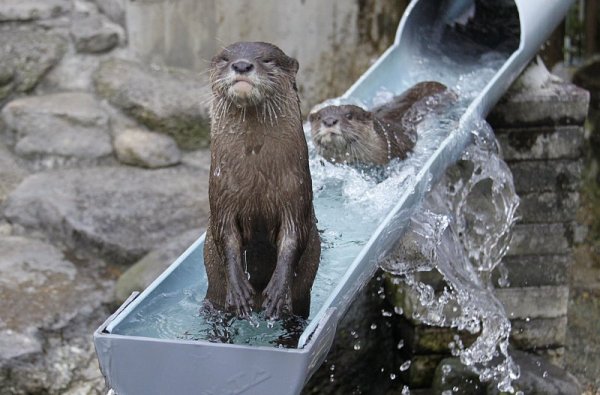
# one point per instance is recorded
(350, 134)
(262, 246)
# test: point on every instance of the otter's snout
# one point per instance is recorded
(330, 121)
(242, 67)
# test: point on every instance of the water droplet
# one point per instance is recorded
(398, 310)
(405, 366)
(400, 344)
(392, 376)
(373, 326)
(356, 346)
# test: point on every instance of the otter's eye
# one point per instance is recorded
(224, 59)
(348, 115)
(268, 61)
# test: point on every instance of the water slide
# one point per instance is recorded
(151, 346)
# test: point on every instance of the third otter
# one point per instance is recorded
(262, 246)
(350, 134)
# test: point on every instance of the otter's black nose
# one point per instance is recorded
(330, 121)
(241, 66)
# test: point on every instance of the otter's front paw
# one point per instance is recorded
(240, 296)
(277, 300)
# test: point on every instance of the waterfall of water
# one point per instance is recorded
(462, 231)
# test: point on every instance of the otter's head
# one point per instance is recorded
(343, 133)
(251, 73)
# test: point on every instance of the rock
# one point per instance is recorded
(168, 101)
(455, 378)
(67, 126)
(540, 377)
(142, 273)
(534, 302)
(25, 56)
(197, 159)
(95, 33)
(11, 172)
(73, 73)
(362, 350)
(27, 10)
(146, 149)
(114, 9)
(50, 307)
(120, 213)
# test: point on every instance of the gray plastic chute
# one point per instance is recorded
(135, 365)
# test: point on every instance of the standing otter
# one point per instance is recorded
(262, 247)
(350, 134)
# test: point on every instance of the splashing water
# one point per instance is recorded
(463, 230)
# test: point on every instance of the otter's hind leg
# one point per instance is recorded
(215, 271)
(305, 274)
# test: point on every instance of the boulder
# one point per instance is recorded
(120, 213)
(28, 10)
(50, 306)
(168, 101)
(25, 56)
(70, 126)
(146, 149)
(142, 273)
(95, 33)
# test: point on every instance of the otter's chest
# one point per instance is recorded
(259, 169)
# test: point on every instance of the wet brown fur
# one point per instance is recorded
(262, 247)
(373, 137)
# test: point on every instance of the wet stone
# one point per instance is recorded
(565, 142)
(361, 349)
(146, 149)
(546, 176)
(538, 333)
(425, 339)
(60, 127)
(548, 207)
(542, 239)
(169, 101)
(120, 213)
(452, 376)
(538, 377)
(533, 270)
(534, 302)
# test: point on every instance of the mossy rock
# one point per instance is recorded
(169, 101)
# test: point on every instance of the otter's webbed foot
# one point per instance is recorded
(240, 296)
(277, 299)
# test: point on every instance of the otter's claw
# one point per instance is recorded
(240, 295)
(278, 301)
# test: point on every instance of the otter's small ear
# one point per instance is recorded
(294, 65)
(311, 117)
